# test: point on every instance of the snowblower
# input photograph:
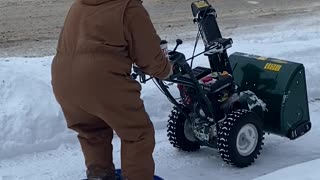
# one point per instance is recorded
(234, 102)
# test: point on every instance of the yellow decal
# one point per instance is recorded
(273, 67)
(262, 58)
(201, 4)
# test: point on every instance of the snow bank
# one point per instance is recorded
(30, 119)
(304, 171)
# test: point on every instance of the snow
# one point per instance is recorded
(35, 143)
(303, 171)
(30, 119)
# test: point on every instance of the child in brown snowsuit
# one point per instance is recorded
(98, 44)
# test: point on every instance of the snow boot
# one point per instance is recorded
(116, 177)
(119, 177)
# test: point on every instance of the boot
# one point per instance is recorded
(102, 178)
(97, 173)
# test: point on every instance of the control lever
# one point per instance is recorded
(178, 41)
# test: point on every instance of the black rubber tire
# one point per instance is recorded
(175, 132)
(227, 137)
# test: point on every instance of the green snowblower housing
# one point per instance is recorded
(281, 85)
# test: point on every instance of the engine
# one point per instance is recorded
(203, 128)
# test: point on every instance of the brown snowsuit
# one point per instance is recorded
(99, 42)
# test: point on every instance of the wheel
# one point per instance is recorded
(240, 138)
(179, 133)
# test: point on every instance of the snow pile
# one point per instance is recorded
(30, 119)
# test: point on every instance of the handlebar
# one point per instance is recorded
(175, 57)
(179, 59)
(138, 72)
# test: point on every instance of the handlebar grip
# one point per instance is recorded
(138, 73)
(137, 70)
(134, 75)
